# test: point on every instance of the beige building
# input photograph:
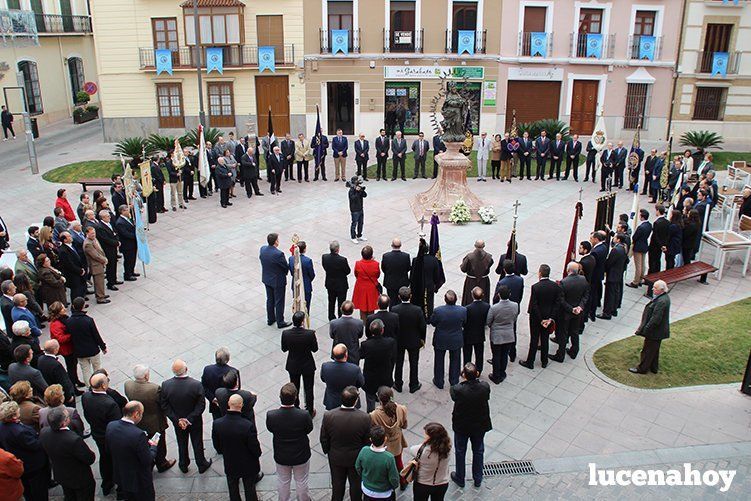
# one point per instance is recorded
(138, 101)
(56, 68)
(703, 101)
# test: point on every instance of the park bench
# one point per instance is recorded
(95, 181)
(679, 274)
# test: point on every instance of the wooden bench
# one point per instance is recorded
(679, 274)
(95, 181)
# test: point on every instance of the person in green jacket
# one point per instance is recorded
(654, 327)
(377, 467)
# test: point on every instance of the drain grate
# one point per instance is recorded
(511, 468)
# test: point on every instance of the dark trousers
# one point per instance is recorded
(160, 196)
(479, 349)
(251, 187)
(650, 356)
(393, 297)
(302, 168)
(478, 451)
(203, 191)
(36, 484)
(78, 289)
(525, 165)
(188, 187)
(161, 450)
(424, 492)
(307, 381)
(419, 167)
(111, 269)
(590, 167)
(336, 298)
(381, 166)
(339, 477)
(289, 170)
(572, 163)
(595, 293)
(555, 166)
(355, 229)
(500, 359)
(435, 167)
(276, 181)
(604, 175)
(195, 432)
(223, 196)
(392, 497)
(320, 167)
(105, 463)
(495, 169)
(249, 486)
(414, 365)
(537, 335)
(568, 328)
(454, 367)
(7, 128)
(669, 261)
(80, 494)
(619, 169)
(613, 293)
(398, 166)
(71, 366)
(362, 167)
(129, 262)
(655, 256)
(541, 168)
(645, 186)
(275, 305)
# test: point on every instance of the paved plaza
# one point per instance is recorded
(203, 290)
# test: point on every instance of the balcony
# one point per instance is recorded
(579, 46)
(525, 45)
(452, 41)
(402, 41)
(235, 56)
(56, 24)
(325, 38)
(704, 62)
(634, 41)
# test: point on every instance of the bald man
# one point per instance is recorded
(183, 402)
(54, 372)
(100, 409)
(337, 375)
(395, 265)
(476, 265)
(132, 455)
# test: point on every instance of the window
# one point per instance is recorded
(31, 87)
(216, 25)
(403, 100)
(402, 21)
(270, 31)
(464, 18)
(709, 103)
(67, 14)
(716, 39)
(38, 8)
(341, 107)
(164, 31)
(534, 22)
(637, 96)
(170, 104)
(644, 25)
(221, 104)
(590, 21)
(340, 17)
(75, 70)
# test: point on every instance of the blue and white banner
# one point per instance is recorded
(647, 47)
(214, 60)
(163, 61)
(340, 41)
(594, 45)
(466, 42)
(720, 63)
(735, 2)
(538, 44)
(144, 253)
(266, 58)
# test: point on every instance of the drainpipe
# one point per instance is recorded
(675, 69)
(68, 89)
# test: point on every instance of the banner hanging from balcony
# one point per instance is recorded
(720, 64)
(647, 47)
(466, 42)
(214, 60)
(538, 44)
(266, 58)
(163, 61)
(735, 2)
(594, 45)
(340, 41)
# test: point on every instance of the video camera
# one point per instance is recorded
(356, 182)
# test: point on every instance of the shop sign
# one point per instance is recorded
(425, 72)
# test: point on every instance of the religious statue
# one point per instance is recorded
(468, 143)
(454, 110)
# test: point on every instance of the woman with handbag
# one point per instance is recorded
(393, 418)
(367, 288)
(430, 468)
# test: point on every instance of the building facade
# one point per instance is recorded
(719, 102)
(138, 101)
(56, 68)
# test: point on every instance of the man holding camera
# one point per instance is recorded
(356, 194)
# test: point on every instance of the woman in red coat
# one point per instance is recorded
(59, 331)
(367, 271)
(62, 202)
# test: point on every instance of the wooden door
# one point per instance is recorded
(272, 91)
(532, 101)
(584, 106)
(270, 31)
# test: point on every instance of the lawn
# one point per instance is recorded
(721, 159)
(74, 172)
(709, 348)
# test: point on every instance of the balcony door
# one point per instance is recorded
(402, 21)
(584, 106)
(67, 14)
(590, 22)
(164, 32)
(717, 39)
(38, 8)
(340, 17)
(464, 17)
(534, 22)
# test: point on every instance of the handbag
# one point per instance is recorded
(409, 472)
(378, 285)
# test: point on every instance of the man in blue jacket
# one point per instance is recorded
(320, 145)
(274, 269)
(339, 148)
(448, 321)
(542, 147)
(640, 246)
(308, 274)
(600, 253)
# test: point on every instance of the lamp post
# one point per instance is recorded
(33, 162)
(198, 59)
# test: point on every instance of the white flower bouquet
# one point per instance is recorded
(460, 213)
(487, 214)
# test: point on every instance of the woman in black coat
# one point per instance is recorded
(691, 236)
(675, 238)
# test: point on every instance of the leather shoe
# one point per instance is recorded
(183, 469)
(117, 282)
(556, 358)
(603, 316)
(131, 279)
(205, 467)
(526, 364)
(112, 288)
(455, 480)
(634, 370)
(259, 477)
(103, 301)
(166, 466)
(573, 356)
(136, 274)
(284, 325)
(632, 285)
(416, 388)
(544, 363)
(398, 387)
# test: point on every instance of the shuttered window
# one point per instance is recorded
(270, 31)
(637, 96)
(709, 103)
(716, 39)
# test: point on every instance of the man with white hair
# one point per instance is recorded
(54, 372)
(154, 420)
(574, 297)
(654, 327)
(20, 312)
(25, 265)
(212, 376)
(107, 236)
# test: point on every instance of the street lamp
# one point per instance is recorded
(198, 59)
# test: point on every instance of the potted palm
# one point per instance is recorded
(84, 112)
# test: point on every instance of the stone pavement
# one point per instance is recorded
(203, 291)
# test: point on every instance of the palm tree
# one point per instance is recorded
(133, 148)
(702, 139)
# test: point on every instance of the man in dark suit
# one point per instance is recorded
(362, 154)
(399, 154)
(649, 164)
(659, 241)
(557, 152)
(382, 145)
(212, 378)
(183, 403)
(438, 147)
(231, 386)
(21, 369)
(118, 195)
(240, 150)
(621, 155)
(411, 338)
(607, 160)
(290, 427)
(526, 148)
(425, 282)
(542, 151)
(591, 161)
(587, 262)
(189, 174)
(345, 430)
(337, 269)
(654, 327)
(640, 247)
(275, 168)
(301, 343)
(274, 269)
(236, 439)
(288, 155)
(615, 267)
(339, 147)
(347, 330)
(420, 149)
(132, 455)
(22, 441)
(71, 458)
(573, 303)
(100, 409)
(474, 329)
(338, 375)
(520, 263)
(6, 304)
(448, 321)
(223, 175)
(600, 253)
(395, 266)
(72, 267)
(32, 243)
(107, 236)
(515, 284)
(126, 232)
(573, 150)
(250, 173)
(390, 319)
(379, 355)
(543, 310)
(53, 371)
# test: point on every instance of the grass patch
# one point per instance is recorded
(709, 348)
(409, 166)
(721, 159)
(72, 173)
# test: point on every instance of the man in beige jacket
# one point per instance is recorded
(97, 264)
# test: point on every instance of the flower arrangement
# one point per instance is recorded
(460, 213)
(487, 214)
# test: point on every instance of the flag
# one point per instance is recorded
(298, 290)
(163, 61)
(572, 241)
(147, 186)
(600, 136)
(647, 47)
(435, 249)
(594, 45)
(317, 146)
(677, 190)
(466, 42)
(267, 58)
(270, 133)
(720, 63)
(538, 42)
(144, 254)
(340, 41)
(633, 216)
(203, 159)
(214, 60)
